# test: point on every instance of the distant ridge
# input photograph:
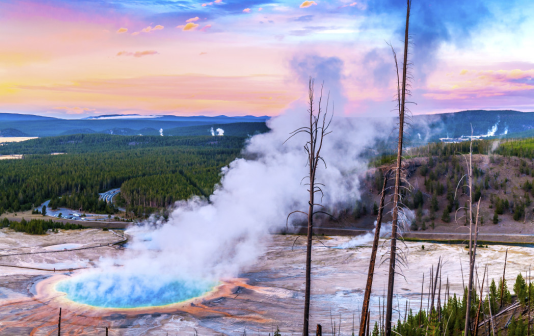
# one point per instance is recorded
(22, 117)
(11, 132)
(212, 119)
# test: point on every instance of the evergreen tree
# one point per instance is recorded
(446, 216)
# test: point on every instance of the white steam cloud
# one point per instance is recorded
(161, 131)
(385, 231)
(219, 238)
(492, 130)
(212, 132)
(220, 132)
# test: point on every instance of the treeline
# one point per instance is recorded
(85, 143)
(38, 226)
(523, 148)
(449, 318)
(152, 177)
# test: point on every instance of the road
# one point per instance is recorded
(108, 195)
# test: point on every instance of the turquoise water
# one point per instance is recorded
(130, 291)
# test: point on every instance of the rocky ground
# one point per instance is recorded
(271, 294)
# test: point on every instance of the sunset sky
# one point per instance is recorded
(79, 58)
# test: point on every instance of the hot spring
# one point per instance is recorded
(123, 291)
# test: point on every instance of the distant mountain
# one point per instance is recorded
(131, 124)
(21, 117)
(120, 116)
(220, 119)
(11, 132)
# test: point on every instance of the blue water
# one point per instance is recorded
(117, 290)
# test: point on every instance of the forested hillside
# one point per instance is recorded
(85, 143)
(503, 179)
(152, 171)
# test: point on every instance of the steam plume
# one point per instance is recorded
(219, 238)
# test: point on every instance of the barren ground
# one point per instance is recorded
(272, 296)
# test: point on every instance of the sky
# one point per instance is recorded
(81, 58)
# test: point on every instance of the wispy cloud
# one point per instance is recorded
(205, 28)
(74, 110)
(192, 19)
(246, 10)
(149, 28)
(357, 5)
(137, 53)
(122, 30)
(481, 84)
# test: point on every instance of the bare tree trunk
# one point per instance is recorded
(480, 302)
(308, 259)
(393, 248)
(439, 297)
(316, 130)
(435, 286)
(503, 278)
(370, 273)
(421, 304)
(368, 323)
(489, 305)
(471, 252)
(59, 324)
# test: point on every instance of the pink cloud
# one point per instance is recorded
(206, 27)
(137, 53)
(356, 4)
(122, 30)
(193, 19)
(483, 84)
(218, 1)
(260, 9)
(246, 10)
(307, 4)
(74, 110)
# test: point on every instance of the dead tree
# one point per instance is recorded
(59, 324)
(480, 301)
(472, 242)
(401, 97)
(316, 131)
(370, 273)
(503, 278)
